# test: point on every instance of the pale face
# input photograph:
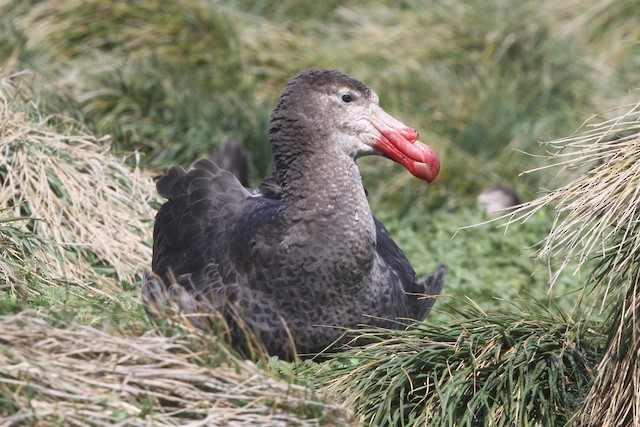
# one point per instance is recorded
(328, 107)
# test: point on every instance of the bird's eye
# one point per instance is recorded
(347, 97)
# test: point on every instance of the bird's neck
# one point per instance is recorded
(326, 209)
(327, 185)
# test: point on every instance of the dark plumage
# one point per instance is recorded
(304, 257)
(233, 157)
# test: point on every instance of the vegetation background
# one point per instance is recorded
(98, 98)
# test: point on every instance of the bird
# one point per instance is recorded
(301, 259)
(498, 200)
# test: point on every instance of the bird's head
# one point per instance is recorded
(324, 107)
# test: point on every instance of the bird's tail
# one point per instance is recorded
(432, 286)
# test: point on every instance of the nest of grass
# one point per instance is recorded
(76, 375)
(62, 185)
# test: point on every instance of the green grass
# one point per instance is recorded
(484, 369)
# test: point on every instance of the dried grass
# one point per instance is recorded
(79, 376)
(597, 220)
(596, 213)
(94, 211)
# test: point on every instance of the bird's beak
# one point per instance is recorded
(400, 143)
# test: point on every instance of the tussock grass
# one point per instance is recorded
(610, 31)
(597, 218)
(499, 369)
(76, 375)
(595, 213)
(89, 213)
(23, 271)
